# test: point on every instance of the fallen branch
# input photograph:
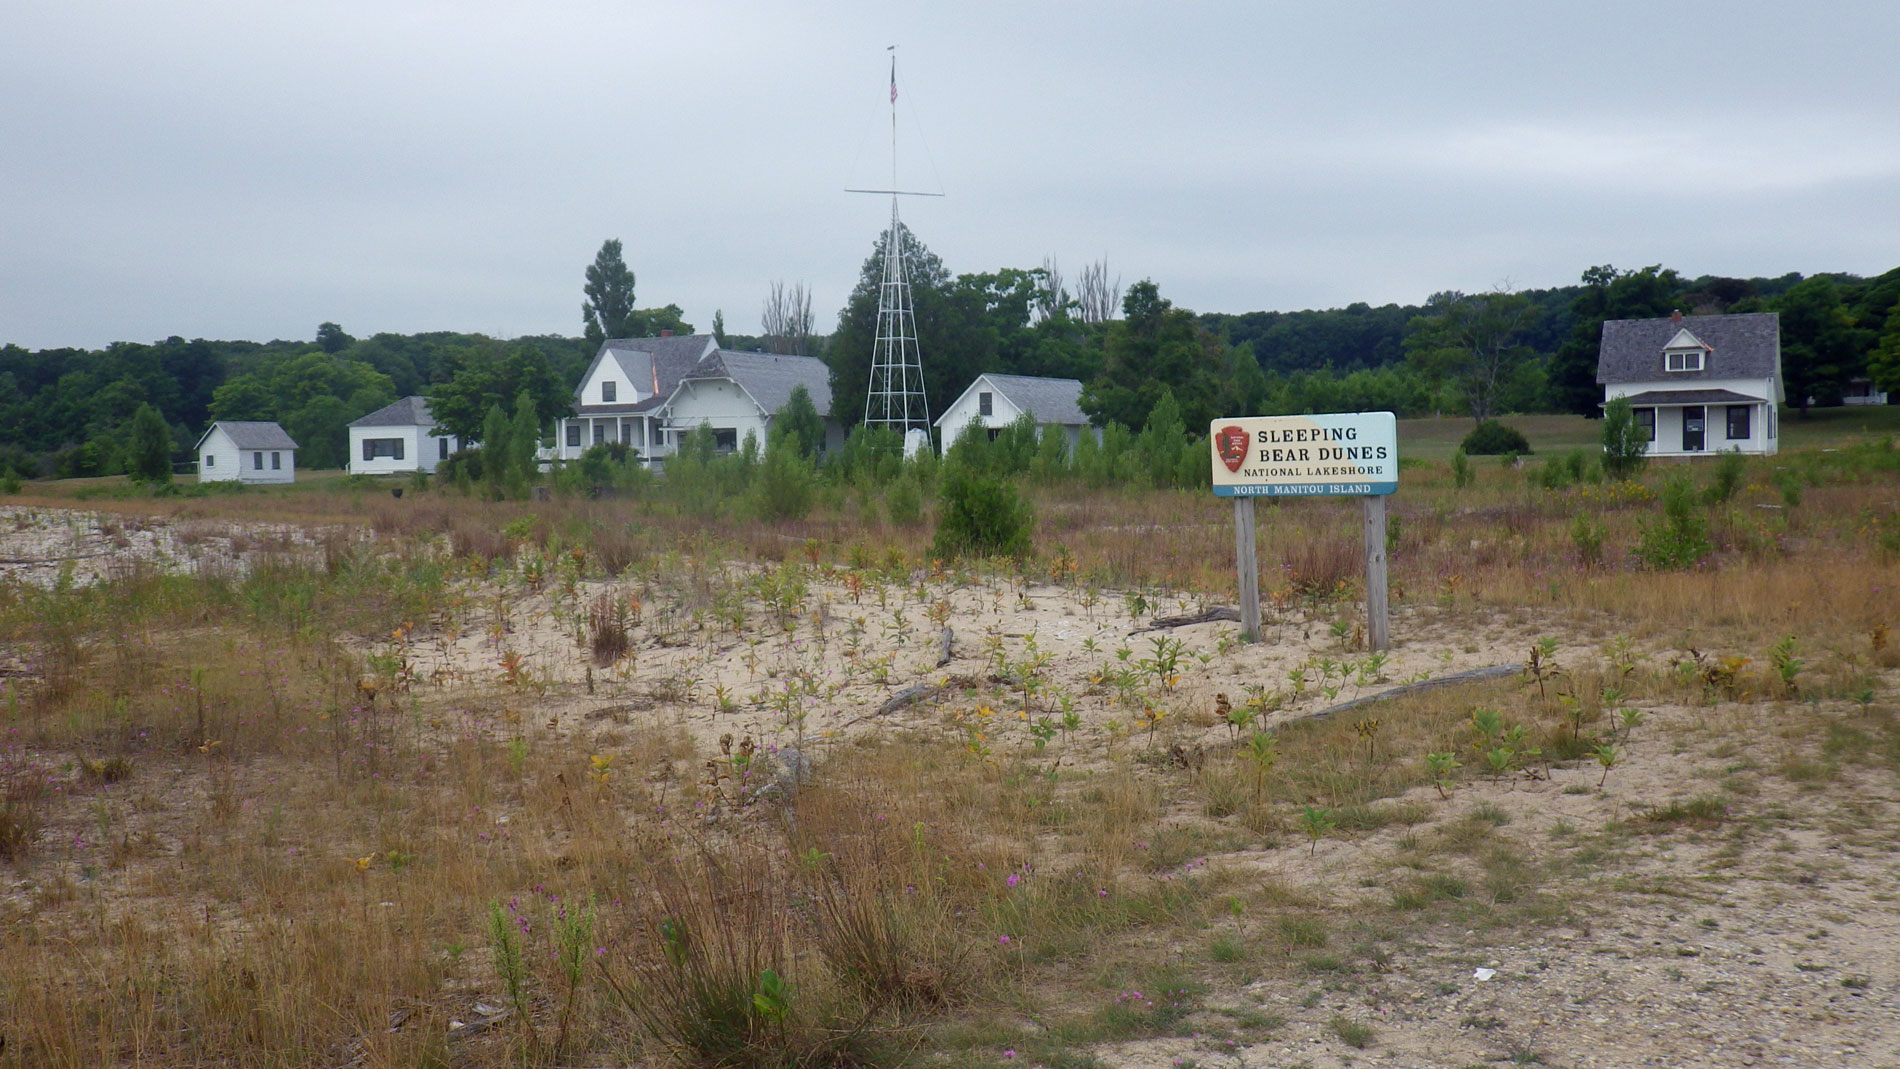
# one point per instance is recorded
(1163, 623)
(1475, 675)
(944, 642)
(909, 696)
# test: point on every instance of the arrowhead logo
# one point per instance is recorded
(1231, 444)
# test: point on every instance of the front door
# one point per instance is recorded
(1692, 434)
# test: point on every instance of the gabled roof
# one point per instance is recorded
(1056, 401)
(1684, 339)
(768, 378)
(1048, 400)
(247, 434)
(411, 411)
(1740, 346)
(653, 365)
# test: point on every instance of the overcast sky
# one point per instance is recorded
(248, 170)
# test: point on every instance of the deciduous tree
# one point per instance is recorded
(1474, 342)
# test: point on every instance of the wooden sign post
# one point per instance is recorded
(1331, 455)
(1247, 565)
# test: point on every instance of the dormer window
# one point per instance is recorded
(1683, 359)
(607, 392)
(1685, 352)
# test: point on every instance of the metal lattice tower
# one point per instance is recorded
(896, 397)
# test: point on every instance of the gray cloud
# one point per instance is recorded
(243, 170)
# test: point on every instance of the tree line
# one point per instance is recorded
(71, 412)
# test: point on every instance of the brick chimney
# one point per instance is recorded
(1674, 317)
(668, 333)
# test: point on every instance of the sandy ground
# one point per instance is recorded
(1770, 938)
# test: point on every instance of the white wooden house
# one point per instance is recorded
(622, 391)
(247, 452)
(398, 438)
(736, 394)
(1700, 385)
(995, 401)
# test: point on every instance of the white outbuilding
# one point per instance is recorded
(398, 439)
(994, 401)
(247, 452)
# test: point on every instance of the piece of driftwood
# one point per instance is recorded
(944, 642)
(1475, 675)
(1163, 623)
(909, 696)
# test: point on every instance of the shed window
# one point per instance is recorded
(211, 460)
(257, 462)
(1646, 419)
(607, 392)
(985, 406)
(378, 448)
(277, 462)
(1683, 360)
(442, 449)
(1738, 421)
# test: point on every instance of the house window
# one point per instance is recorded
(1774, 417)
(1738, 421)
(574, 435)
(380, 448)
(726, 441)
(607, 391)
(442, 449)
(211, 461)
(277, 462)
(984, 405)
(257, 462)
(1646, 419)
(600, 434)
(1683, 360)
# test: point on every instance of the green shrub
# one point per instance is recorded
(1625, 443)
(783, 490)
(1461, 471)
(904, 501)
(1588, 533)
(1728, 477)
(1681, 540)
(10, 483)
(980, 514)
(1491, 438)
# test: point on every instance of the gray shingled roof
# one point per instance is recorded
(769, 377)
(672, 356)
(411, 411)
(1689, 397)
(253, 435)
(1740, 346)
(1047, 400)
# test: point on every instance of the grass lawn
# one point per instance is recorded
(1822, 428)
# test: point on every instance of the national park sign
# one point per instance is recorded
(1348, 453)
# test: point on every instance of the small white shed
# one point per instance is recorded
(247, 452)
(995, 401)
(398, 439)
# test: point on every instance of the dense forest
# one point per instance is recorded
(70, 412)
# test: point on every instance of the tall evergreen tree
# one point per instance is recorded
(151, 456)
(608, 311)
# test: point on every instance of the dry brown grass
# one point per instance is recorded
(287, 868)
